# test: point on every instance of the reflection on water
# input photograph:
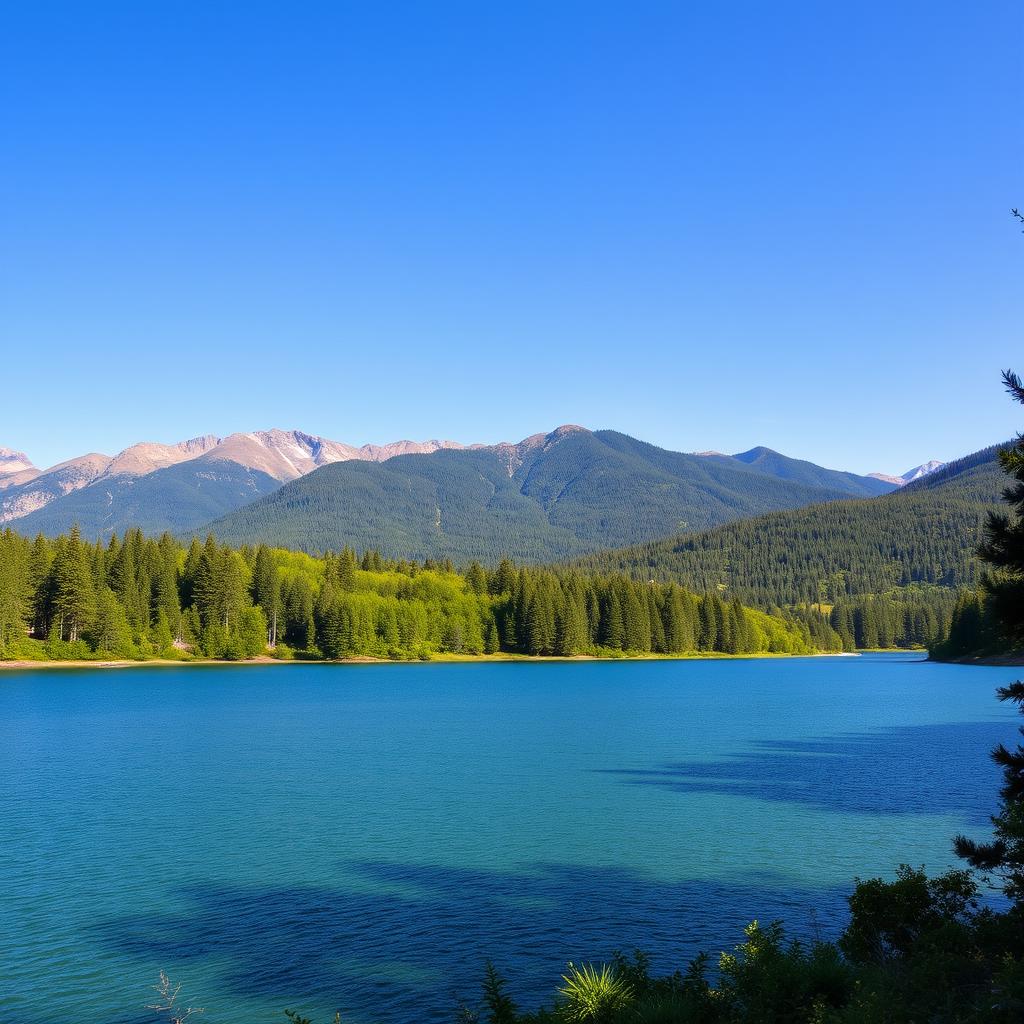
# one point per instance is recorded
(363, 837)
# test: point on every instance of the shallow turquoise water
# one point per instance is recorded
(363, 837)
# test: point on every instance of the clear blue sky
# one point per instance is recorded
(710, 225)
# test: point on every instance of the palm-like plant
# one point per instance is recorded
(594, 996)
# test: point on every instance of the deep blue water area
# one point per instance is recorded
(363, 837)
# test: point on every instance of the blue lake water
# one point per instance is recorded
(363, 837)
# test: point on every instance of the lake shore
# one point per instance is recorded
(23, 664)
(1004, 660)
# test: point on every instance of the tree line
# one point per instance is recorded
(989, 619)
(143, 597)
(885, 572)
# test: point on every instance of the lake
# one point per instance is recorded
(363, 837)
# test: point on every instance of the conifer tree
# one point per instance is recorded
(636, 630)
(1003, 544)
(346, 569)
(476, 578)
(73, 596)
(571, 634)
(707, 632)
(14, 588)
(492, 642)
(612, 627)
(109, 630)
(1003, 856)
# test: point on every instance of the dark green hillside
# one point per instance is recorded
(178, 498)
(924, 534)
(553, 497)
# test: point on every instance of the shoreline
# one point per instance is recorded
(990, 660)
(442, 659)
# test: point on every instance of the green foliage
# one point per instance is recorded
(1004, 855)
(593, 996)
(137, 597)
(1003, 545)
(916, 950)
(885, 572)
(297, 1018)
(500, 1007)
(991, 620)
(767, 980)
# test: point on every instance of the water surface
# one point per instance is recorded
(362, 837)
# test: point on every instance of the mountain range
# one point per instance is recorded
(169, 486)
(920, 536)
(911, 474)
(548, 496)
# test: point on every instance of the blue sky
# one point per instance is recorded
(710, 225)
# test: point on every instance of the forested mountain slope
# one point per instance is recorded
(924, 534)
(182, 486)
(178, 486)
(549, 497)
(176, 498)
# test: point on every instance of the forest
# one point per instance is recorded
(887, 570)
(144, 598)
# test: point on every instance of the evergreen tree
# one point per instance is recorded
(15, 593)
(1003, 856)
(73, 596)
(571, 632)
(476, 578)
(266, 590)
(707, 626)
(1003, 545)
(109, 630)
(346, 569)
(492, 641)
(612, 627)
(636, 629)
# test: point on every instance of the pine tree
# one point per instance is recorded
(612, 627)
(41, 583)
(707, 628)
(1004, 855)
(346, 568)
(110, 630)
(636, 630)
(266, 590)
(504, 578)
(15, 594)
(492, 642)
(73, 596)
(476, 578)
(161, 635)
(571, 632)
(1003, 545)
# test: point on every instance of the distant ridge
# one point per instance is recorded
(911, 474)
(238, 463)
(15, 468)
(923, 534)
(766, 460)
(547, 495)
